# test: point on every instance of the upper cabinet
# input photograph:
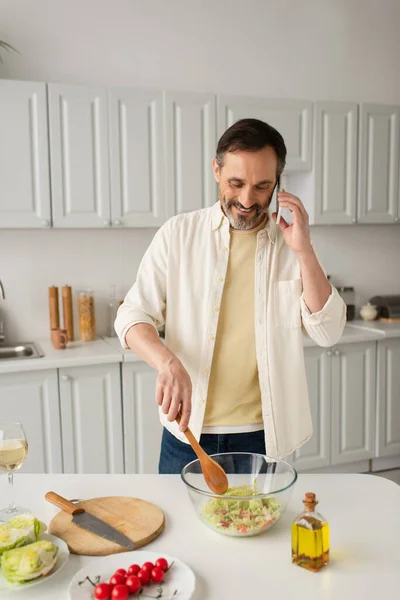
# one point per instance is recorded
(378, 187)
(190, 143)
(79, 156)
(24, 155)
(292, 118)
(335, 162)
(137, 157)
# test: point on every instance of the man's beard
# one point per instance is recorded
(242, 222)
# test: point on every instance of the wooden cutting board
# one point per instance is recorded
(141, 521)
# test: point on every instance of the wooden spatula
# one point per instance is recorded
(214, 474)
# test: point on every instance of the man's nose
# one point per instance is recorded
(245, 198)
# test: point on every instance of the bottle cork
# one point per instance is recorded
(310, 501)
(68, 314)
(53, 308)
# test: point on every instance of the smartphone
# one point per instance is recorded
(278, 208)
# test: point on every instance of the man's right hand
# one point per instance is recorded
(174, 391)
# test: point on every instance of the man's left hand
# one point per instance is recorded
(297, 235)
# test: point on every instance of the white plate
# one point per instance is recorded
(179, 578)
(7, 589)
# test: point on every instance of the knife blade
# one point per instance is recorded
(89, 522)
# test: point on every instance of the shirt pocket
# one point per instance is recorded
(287, 303)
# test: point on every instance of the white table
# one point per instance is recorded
(363, 512)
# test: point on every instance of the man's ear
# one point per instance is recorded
(216, 169)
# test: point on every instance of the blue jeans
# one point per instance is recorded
(175, 454)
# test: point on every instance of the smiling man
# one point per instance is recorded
(236, 292)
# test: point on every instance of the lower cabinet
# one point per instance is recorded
(388, 421)
(342, 391)
(31, 398)
(142, 428)
(91, 416)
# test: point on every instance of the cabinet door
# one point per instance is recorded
(316, 452)
(79, 156)
(142, 428)
(378, 163)
(191, 145)
(24, 155)
(336, 134)
(91, 418)
(388, 426)
(292, 118)
(137, 157)
(31, 398)
(353, 402)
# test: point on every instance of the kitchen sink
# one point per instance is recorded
(21, 350)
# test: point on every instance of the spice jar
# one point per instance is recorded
(86, 317)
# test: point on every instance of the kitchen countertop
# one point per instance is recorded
(76, 354)
(109, 350)
(362, 511)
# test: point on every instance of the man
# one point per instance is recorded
(235, 292)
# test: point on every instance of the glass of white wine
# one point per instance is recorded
(13, 451)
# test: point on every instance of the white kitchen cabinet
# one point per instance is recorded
(191, 145)
(388, 413)
(353, 402)
(292, 118)
(79, 156)
(31, 398)
(24, 155)
(335, 163)
(378, 183)
(142, 428)
(136, 124)
(342, 392)
(91, 418)
(317, 451)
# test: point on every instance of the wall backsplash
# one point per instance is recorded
(366, 257)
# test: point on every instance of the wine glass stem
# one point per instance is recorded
(11, 505)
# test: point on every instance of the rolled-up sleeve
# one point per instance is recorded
(146, 300)
(326, 326)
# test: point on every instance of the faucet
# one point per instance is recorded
(3, 295)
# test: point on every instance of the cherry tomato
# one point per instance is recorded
(162, 563)
(121, 572)
(157, 575)
(133, 570)
(133, 583)
(117, 579)
(102, 591)
(120, 592)
(148, 566)
(144, 577)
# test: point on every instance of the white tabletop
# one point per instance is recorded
(363, 512)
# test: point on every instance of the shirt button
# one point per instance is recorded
(211, 337)
(215, 309)
(226, 249)
(206, 371)
(219, 279)
(202, 400)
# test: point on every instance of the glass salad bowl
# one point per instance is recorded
(259, 491)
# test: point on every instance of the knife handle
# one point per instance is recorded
(63, 503)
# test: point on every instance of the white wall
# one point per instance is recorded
(314, 49)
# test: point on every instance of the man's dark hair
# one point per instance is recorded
(251, 135)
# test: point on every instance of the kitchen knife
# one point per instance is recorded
(89, 522)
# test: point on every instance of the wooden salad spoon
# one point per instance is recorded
(214, 474)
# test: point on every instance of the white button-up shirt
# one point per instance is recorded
(180, 283)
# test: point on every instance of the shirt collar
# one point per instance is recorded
(218, 216)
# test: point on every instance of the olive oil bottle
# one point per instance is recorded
(310, 537)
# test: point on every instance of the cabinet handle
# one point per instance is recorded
(107, 223)
(117, 222)
(354, 220)
(329, 353)
(65, 377)
(337, 353)
(46, 223)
